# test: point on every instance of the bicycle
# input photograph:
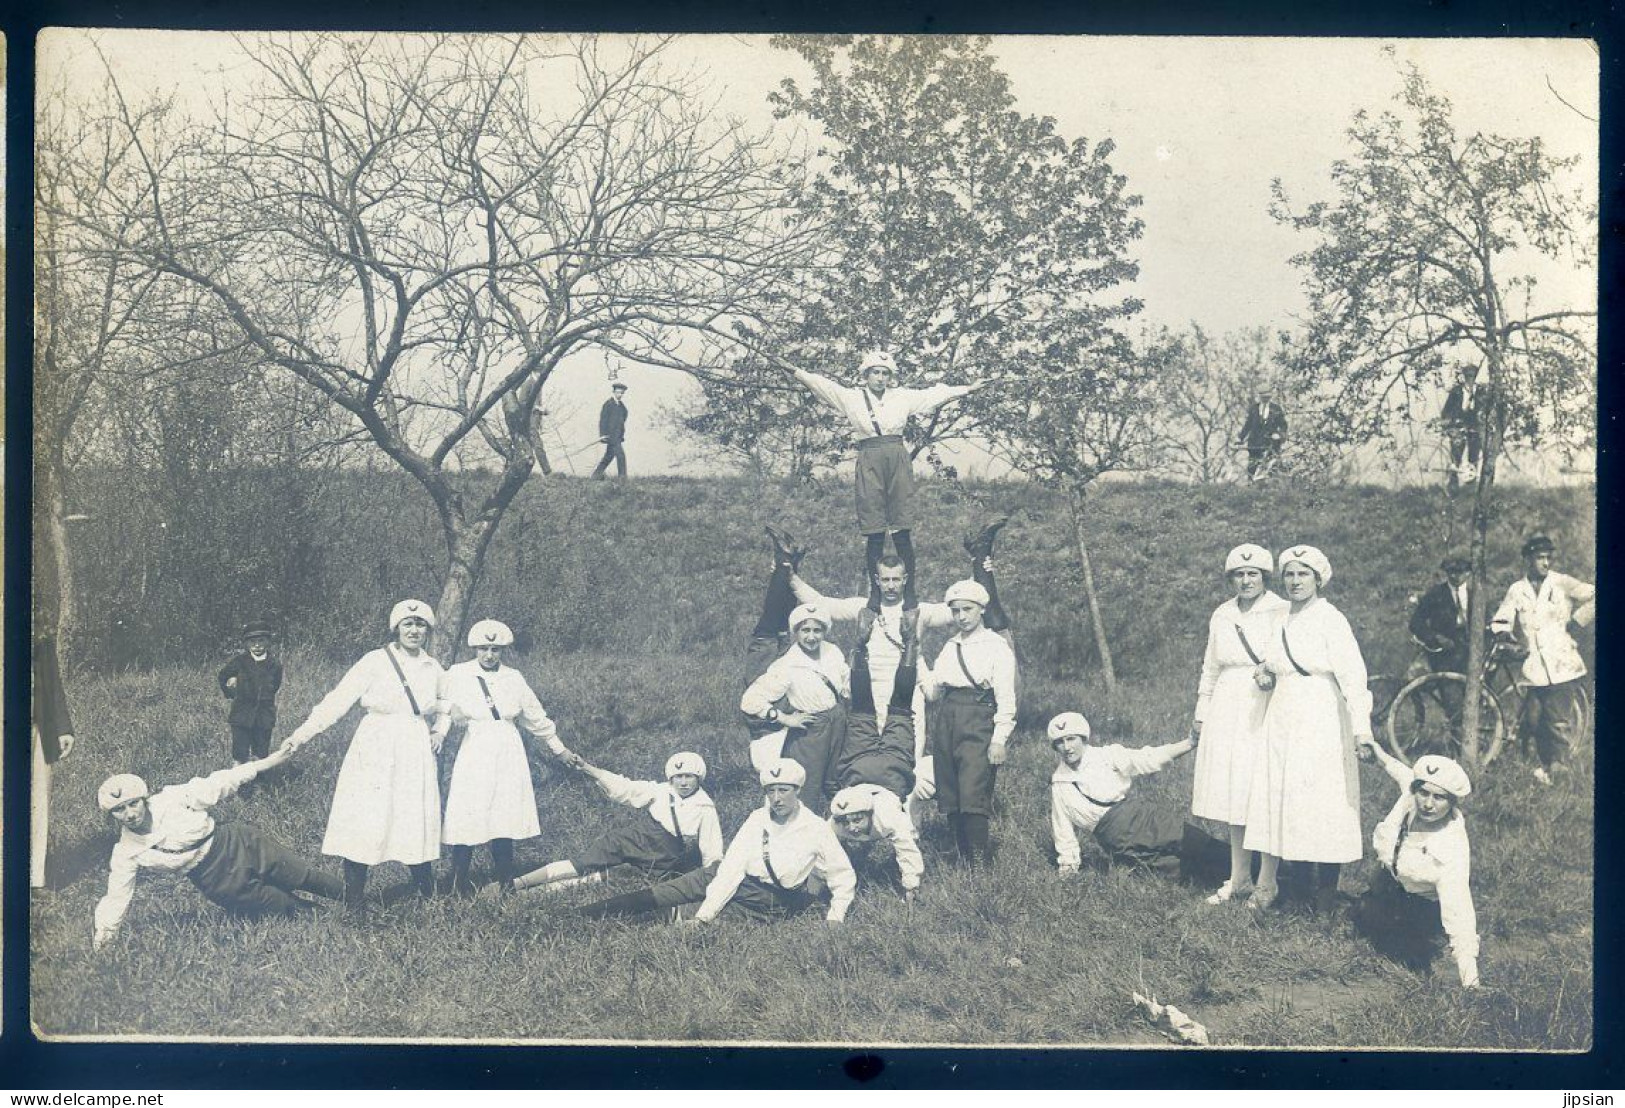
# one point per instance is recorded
(1425, 716)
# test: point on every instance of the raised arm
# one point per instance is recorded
(827, 391)
(623, 790)
(331, 708)
(534, 718)
(1143, 760)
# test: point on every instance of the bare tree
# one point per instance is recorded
(1429, 257)
(424, 228)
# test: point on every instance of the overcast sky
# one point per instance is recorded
(1202, 126)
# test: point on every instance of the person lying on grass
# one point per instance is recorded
(874, 831)
(675, 829)
(1089, 792)
(239, 868)
(1421, 898)
(781, 863)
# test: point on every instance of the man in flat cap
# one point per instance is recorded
(251, 681)
(1439, 623)
(612, 432)
(1537, 612)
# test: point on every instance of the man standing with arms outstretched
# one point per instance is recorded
(884, 476)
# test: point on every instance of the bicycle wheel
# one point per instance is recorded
(1426, 719)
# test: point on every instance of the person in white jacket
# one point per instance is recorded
(1230, 706)
(1089, 794)
(1422, 896)
(1538, 609)
(675, 829)
(871, 824)
(174, 831)
(783, 861)
(492, 798)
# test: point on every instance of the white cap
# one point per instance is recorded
(852, 799)
(121, 788)
(877, 359)
(1249, 555)
(966, 590)
(1439, 771)
(685, 762)
(785, 771)
(1311, 557)
(805, 612)
(1068, 724)
(490, 632)
(410, 608)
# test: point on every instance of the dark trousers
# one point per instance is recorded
(1260, 460)
(1549, 716)
(875, 755)
(641, 842)
(250, 873)
(818, 748)
(249, 743)
(764, 902)
(1399, 924)
(960, 730)
(1139, 833)
(614, 451)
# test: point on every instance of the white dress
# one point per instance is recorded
(1230, 707)
(386, 803)
(1305, 799)
(492, 795)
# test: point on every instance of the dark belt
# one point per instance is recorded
(204, 841)
(879, 440)
(975, 696)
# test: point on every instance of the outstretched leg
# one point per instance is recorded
(874, 548)
(904, 542)
(980, 548)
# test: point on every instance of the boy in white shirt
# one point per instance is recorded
(1422, 895)
(1089, 792)
(174, 830)
(677, 828)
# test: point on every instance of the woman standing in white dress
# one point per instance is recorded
(1305, 800)
(492, 798)
(1230, 706)
(386, 804)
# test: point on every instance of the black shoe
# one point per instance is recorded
(979, 545)
(783, 543)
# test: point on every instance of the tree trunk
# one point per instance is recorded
(1478, 607)
(54, 610)
(467, 543)
(1074, 501)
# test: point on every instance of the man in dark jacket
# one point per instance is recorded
(52, 741)
(250, 681)
(1440, 620)
(1262, 434)
(612, 432)
(1460, 422)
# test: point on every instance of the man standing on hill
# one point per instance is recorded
(612, 432)
(1460, 421)
(1263, 434)
(884, 477)
(1538, 610)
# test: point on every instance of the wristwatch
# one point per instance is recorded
(772, 714)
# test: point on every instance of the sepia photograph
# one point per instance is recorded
(864, 540)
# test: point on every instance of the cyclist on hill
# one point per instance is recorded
(1537, 612)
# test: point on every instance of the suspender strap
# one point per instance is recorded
(1247, 646)
(880, 622)
(959, 652)
(492, 704)
(410, 699)
(1399, 841)
(830, 685)
(870, 404)
(1092, 800)
(676, 828)
(767, 861)
(1301, 671)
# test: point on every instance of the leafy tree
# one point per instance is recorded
(1428, 257)
(957, 229)
(423, 228)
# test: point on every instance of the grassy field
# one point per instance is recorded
(639, 620)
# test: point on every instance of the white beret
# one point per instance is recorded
(877, 359)
(1443, 773)
(785, 771)
(490, 632)
(1068, 724)
(410, 608)
(121, 788)
(1309, 556)
(685, 762)
(966, 590)
(809, 611)
(852, 799)
(1249, 555)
